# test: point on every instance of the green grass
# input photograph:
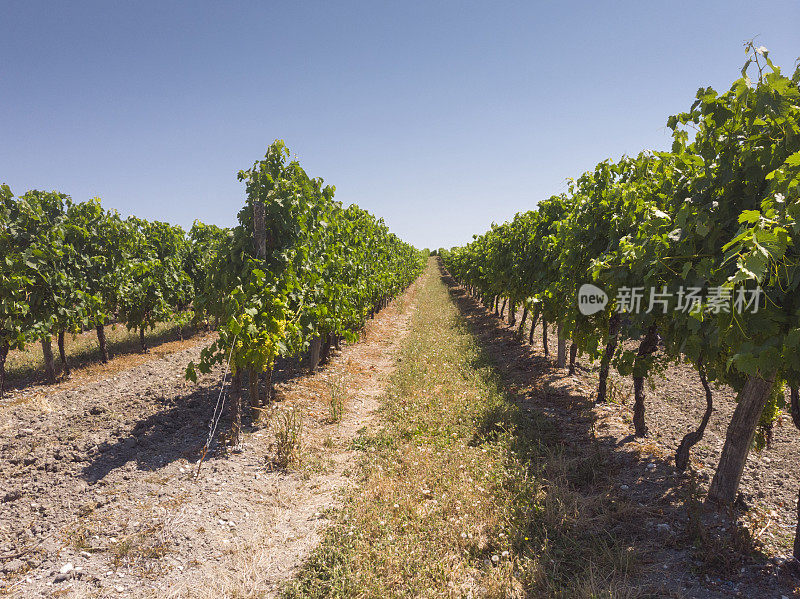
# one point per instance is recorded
(460, 494)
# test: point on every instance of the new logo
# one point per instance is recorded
(591, 299)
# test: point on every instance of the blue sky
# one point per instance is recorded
(438, 116)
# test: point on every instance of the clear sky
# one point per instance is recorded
(438, 116)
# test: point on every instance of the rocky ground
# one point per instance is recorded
(98, 489)
(686, 549)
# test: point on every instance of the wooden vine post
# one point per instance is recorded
(62, 354)
(260, 243)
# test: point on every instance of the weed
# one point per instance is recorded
(142, 548)
(288, 432)
(77, 537)
(337, 393)
(366, 442)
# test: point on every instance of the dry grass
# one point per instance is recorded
(27, 370)
(461, 495)
(82, 350)
(337, 395)
(288, 431)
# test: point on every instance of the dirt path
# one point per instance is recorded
(97, 480)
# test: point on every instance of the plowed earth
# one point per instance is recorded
(98, 495)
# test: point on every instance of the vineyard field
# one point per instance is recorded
(597, 398)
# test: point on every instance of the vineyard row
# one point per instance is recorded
(300, 271)
(719, 213)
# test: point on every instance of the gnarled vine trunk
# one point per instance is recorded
(326, 349)
(647, 347)
(544, 338)
(573, 353)
(101, 341)
(316, 347)
(534, 319)
(142, 341)
(49, 363)
(62, 353)
(614, 325)
(512, 313)
(503, 308)
(521, 330)
(739, 437)
(693, 438)
(4, 347)
(561, 356)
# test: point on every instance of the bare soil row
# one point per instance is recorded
(99, 496)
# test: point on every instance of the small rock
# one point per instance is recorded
(624, 487)
(651, 466)
(664, 528)
(12, 496)
(67, 568)
(495, 559)
(13, 565)
(85, 554)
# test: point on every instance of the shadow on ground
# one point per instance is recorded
(23, 376)
(180, 430)
(684, 548)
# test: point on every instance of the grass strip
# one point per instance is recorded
(462, 493)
